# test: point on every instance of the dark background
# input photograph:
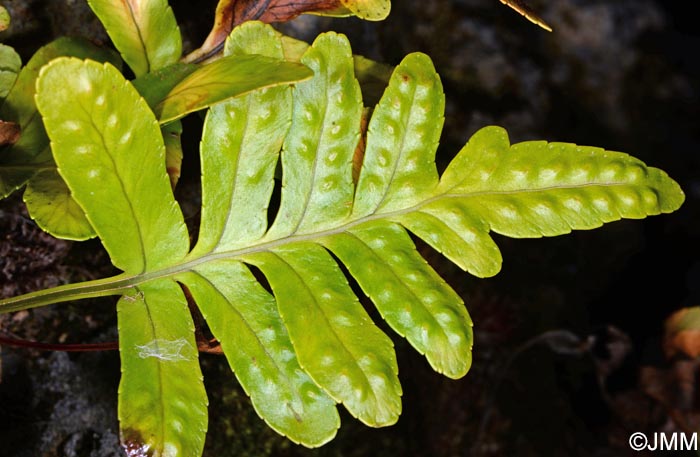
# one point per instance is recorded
(568, 356)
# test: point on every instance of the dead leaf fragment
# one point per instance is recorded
(682, 332)
(359, 155)
(230, 13)
(4, 19)
(9, 133)
(521, 7)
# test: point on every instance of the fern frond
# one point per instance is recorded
(310, 343)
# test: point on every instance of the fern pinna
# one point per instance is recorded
(309, 344)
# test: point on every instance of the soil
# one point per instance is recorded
(568, 357)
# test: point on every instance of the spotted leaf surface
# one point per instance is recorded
(370, 10)
(242, 137)
(162, 402)
(410, 296)
(109, 149)
(530, 190)
(303, 341)
(317, 157)
(345, 353)
(29, 160)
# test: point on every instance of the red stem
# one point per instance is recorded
(20, 343)
(210, 347)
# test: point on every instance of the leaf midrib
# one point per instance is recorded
(119, 284)
(142, 246)
(401, 149)
(240, 315)
(416, 299)
(312, 178)
(184, 86)
(332, 328)
(161, 404)
(236, 167)
(132, 15)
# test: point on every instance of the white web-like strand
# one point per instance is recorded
(168, 350)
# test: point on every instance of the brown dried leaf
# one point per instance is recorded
(521, 7)
(682, 332)
(674, 388)
(230, 13)
(9, 133)
(359, 155)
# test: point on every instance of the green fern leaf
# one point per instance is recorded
(29, 161)
(242, 139)
(161, 391)
(144, 31)
(173, 92)
(369, 10)
(310, 343)
(10, 64)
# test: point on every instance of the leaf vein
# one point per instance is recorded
(325, 318)
(314, 172)
(132, 15)
(142, 246)
(245, 321)
(161, 405)
(236, 174)
(394, 274)
(401, 149)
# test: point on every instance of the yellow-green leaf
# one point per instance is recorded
(110, 152)
(52, 207)
(31, 153)
(370, 10)
(144, 31)
(311, 339)
(162, 402)
(226, 78)
(10, 64)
